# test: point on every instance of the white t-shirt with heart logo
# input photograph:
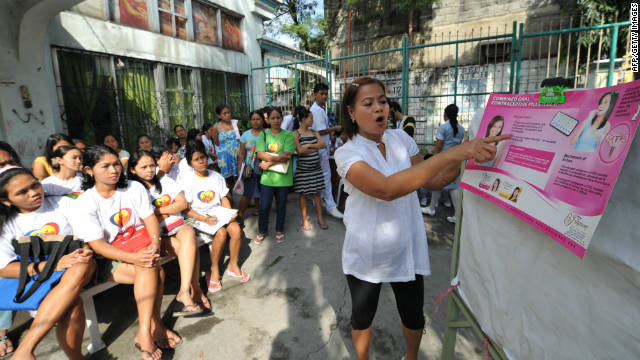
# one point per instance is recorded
(51, 218)
(98, 218)
(170, 190)
(204, 194)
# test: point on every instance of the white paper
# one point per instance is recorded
(223, 214)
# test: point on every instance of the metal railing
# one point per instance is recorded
(461, 68)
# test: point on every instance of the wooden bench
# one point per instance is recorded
(90, 308)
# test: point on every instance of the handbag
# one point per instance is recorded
(29, 292)
(132, 239)
(256, 160)
(247, 171)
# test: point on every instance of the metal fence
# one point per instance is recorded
(461, 67)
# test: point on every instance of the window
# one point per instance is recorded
(205, 24)
(179, 97)
(173, 18)
(231, 33)
(213, 94)
(134, 13)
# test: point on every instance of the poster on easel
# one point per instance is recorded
(559, 167)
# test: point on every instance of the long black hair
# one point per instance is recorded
(52, 140)
(452, 114)
(133, 161)
(8, 212)
(12, 152)
(612, 104)
(90, 158)
(299, 113)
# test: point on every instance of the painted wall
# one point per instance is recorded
(25, 60)
(34, 26)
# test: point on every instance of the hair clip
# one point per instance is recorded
(355, 84)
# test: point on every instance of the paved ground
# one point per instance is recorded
(296, 306)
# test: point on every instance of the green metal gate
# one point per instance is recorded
(461, 68)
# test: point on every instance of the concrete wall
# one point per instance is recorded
(25, 60)
(34, 26)
(452, 19)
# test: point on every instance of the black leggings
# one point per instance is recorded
(364, 302)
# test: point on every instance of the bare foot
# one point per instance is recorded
(147, 347)
(167, 339)
(22, 355)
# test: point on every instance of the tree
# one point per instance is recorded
(300, 20)
(395, 8)
(594, 12)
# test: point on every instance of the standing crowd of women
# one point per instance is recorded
(163, 193)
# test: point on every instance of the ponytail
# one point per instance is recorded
(91, 157)
(8, 212)
(299, 113)
(452, 114)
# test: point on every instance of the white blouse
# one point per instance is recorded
(385, 241)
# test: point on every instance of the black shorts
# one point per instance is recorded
(364, 302)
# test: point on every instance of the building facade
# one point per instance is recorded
(123, 67)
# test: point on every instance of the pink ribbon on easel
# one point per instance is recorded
(487, 354)
(442, 296)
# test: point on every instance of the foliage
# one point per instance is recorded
(593, 12)
(299, 20)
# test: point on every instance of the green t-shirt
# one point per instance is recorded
(283, 142)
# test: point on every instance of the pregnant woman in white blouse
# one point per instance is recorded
(385, 239)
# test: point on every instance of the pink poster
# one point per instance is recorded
(561, 164)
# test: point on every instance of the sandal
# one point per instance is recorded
(7, 346)
(259, 238)
(244, 277)
(205, 304)
(169, 342)
(306, 227)
(280, 238)
(323, 226)
(165, 343)
(217, 285)
(188, 310)
(142, 352)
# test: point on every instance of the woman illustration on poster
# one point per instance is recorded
(592, 130)
(494, 128)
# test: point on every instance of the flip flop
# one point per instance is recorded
(323, 226)
(306, 227)
(149, 353)
(217, 285)
(244, 277)
(259, 238)
(3, 340)
(165, 343)
(187, 310)
(280, 238)
(206, 306)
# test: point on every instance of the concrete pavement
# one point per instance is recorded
(296, 306)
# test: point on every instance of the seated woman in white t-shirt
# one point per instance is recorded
(385, 239)
(25, 211)
(206, 190)
(111, 209)
(178, 238)
(67, 179)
